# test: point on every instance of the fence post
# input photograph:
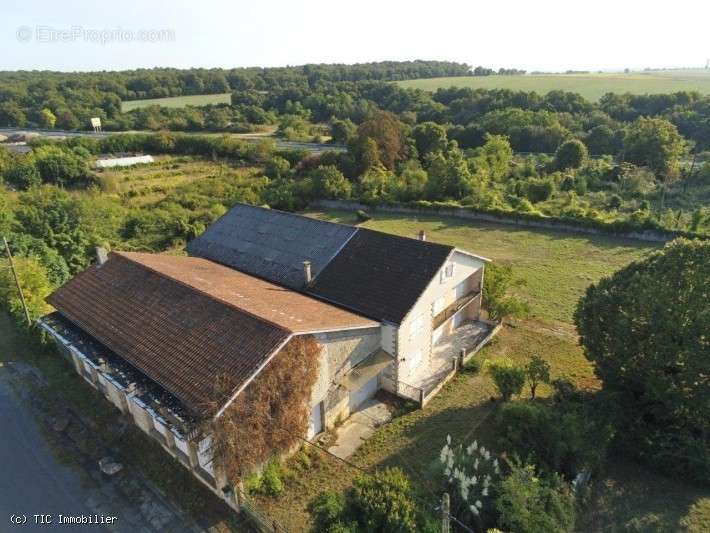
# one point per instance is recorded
(445, 511)
(421, 397)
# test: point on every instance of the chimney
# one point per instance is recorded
(422, 235)
(307, 272)
(101, 255)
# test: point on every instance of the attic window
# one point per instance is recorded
(446, 272)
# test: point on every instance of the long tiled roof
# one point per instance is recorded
(380, 275)
(183, 322)
(288, 309)
(271, 244)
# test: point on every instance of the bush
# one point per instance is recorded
(528, 503)
(268, 482)
(508, 377)
(383, 502)
(328, 512)
(570, 154)
(556, 439)
(362, 216)
(615, 201)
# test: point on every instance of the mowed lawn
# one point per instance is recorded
(178, 101)
(592, 86)
(557, 267)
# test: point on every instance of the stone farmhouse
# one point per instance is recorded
(153, 332)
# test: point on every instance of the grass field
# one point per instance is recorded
(557, 267)
(178, 101)
(591, 86)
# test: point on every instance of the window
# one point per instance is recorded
(446, 272)
(438, 305)
(416, 326)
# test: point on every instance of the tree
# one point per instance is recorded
(60, 166)
(23, 173)
(449, 175)
(645, 328)
(496, 156)
(529, 503)
(376, 184)
(537, 371)
(35, 287)
(342, 131)
(498, 282)
(277, 168)
(386, 131)
(11, 115)
(570, 154)
(47, 119)
(429, 137)
(508, 377)
(655, 142)
(329, 182)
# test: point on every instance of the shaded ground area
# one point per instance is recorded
(55, 428)
(33, 481)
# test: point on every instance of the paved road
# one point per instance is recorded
(284, 145)
(32, 480)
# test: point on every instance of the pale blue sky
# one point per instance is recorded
(535, 35)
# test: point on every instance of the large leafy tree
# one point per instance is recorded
(646, 329)
(385, 129)
(655, 142)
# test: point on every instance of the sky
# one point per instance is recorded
(547, 35)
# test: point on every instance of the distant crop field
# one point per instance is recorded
(591, 86)
(178, 101)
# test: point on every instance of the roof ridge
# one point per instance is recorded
(289, 214)
(393, 235)
(210, 296)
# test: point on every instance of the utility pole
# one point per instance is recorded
(17, 282)
(445, 513)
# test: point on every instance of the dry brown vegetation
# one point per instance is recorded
(271, 415)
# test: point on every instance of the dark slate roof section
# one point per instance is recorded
(380, 275)
(271, 244)
(178, 337)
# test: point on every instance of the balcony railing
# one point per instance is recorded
(454, 308)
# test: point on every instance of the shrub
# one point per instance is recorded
(328, 512)
(271, 483)
(471, 475)
(556, 439)
(528, 503)
(615, 201)
(362, 216)
(508, 377)
(382, 502)
(538, 189)
(570, 154)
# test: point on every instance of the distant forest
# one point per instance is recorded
(295, 97)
